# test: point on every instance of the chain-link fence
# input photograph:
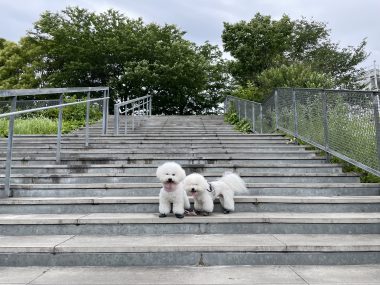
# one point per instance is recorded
(340, 122)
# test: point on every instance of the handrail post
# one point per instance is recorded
(59, 131)
(245, 110)
(295, 113)
(105, 112)
(253, 118)
(276, 107)
(88, 118)
(376, 106)
(138, 112)
(261, 118)
(116, 120)
(126, 120)
(8, 164)
(325, 125)
(133, 117)
(150, 105)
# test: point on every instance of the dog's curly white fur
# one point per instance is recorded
(205, 193)
(171, 175)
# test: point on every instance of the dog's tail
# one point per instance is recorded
(234, 181)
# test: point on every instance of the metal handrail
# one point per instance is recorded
(143, 104)
(286, 116)
(27, 92)
(46, 91)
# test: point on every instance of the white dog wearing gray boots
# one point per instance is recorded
(205, 193)
(171, 176)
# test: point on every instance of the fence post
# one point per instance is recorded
(8, 164)
(295, 114)
(59, 132)
(105, 113)
(88, 117)
(377, 123)
(325, 125)
(253, 118)
(238, 101)
(116, 119)
(261, 118)
(276, 107)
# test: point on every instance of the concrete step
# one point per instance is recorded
(152, 189)
(216, 223)
(149, 204)
(142, 153)
(179, 138)
(194, 275)
(208, 250)
(38, 160)
(151, 178)
(151, 150)
(203, 169)
(157, 147)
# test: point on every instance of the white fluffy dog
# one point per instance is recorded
(205, 193)
(171, 176)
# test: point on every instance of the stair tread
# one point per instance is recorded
(158, 185)
(194, 275)
(155, 200)
(152, 218)
(190, 242)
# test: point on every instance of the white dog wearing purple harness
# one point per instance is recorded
(205, 193)
(171, 175)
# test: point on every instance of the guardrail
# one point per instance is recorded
(14, 94)
(136, 107)
(343, 123)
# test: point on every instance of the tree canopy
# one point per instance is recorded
(264, 44)
(77, 47)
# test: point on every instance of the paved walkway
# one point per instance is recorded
(274, 275)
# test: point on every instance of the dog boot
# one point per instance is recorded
(206, 213)
(179, 216)
(162, 215)
(225, 211)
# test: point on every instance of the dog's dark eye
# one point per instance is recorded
(167, 173)
(173, 174)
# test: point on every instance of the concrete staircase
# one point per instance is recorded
(99, 207)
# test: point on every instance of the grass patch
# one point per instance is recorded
(39, 125)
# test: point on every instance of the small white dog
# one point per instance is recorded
(171, 176)
(205, 193)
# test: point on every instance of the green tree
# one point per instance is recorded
(295, 75)
(264, 43)
(82, 48)
(16, 69)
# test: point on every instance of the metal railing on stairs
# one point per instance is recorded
(14, 94)
(343, 123)
(138, 108)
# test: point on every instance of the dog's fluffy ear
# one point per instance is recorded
(181, 173)
(159, 171)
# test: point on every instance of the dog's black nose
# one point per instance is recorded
(170, 180)
(192, 190)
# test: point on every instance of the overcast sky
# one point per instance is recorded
(349, 20)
